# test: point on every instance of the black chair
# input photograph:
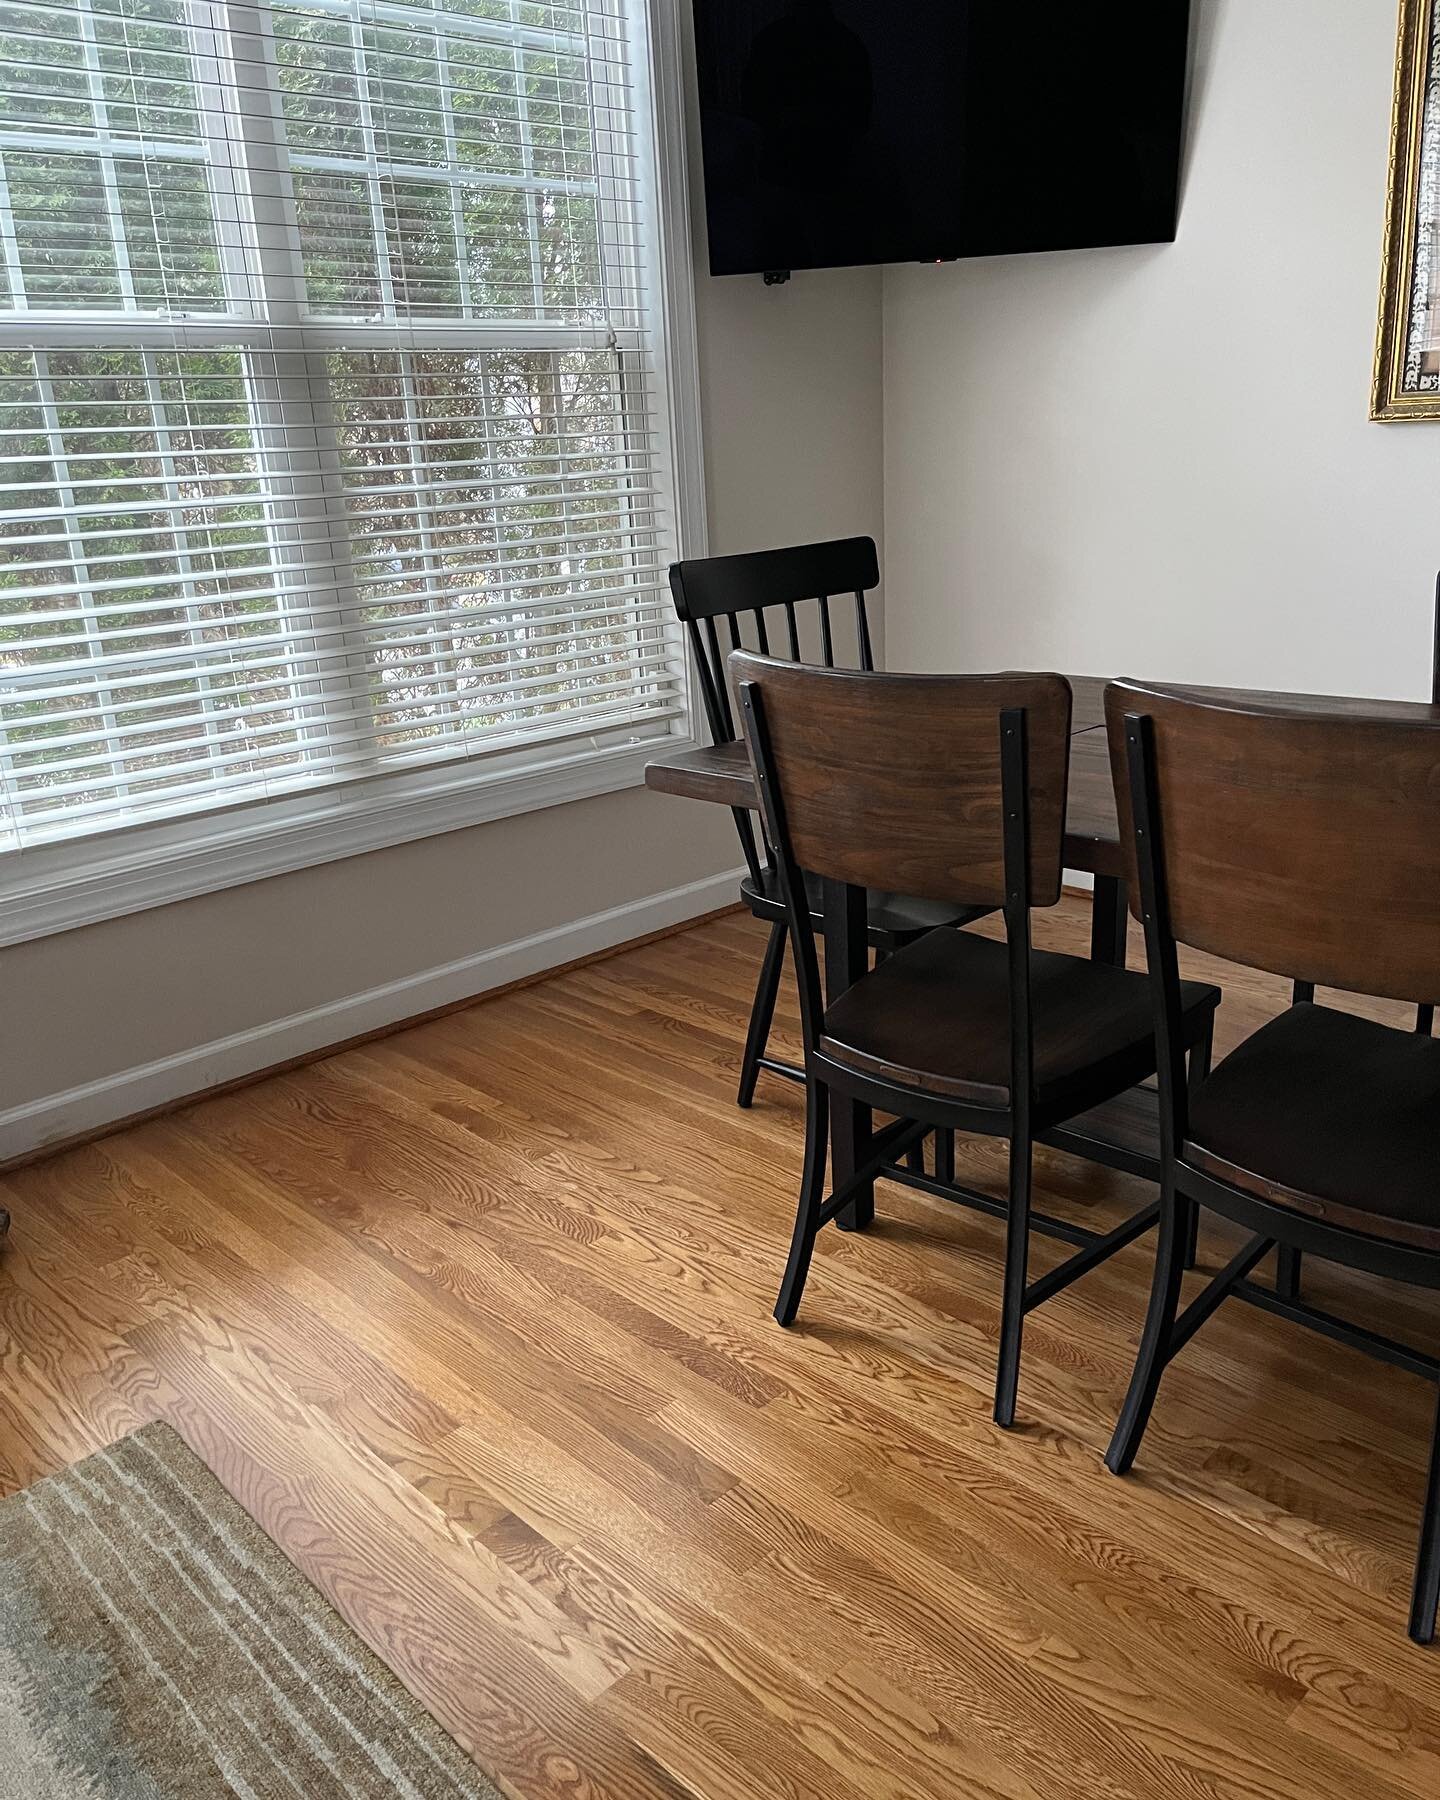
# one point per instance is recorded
(717, 591)
(1303, 839)
(952, 786)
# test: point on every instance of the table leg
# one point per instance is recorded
(1108, 921)
(846, 959)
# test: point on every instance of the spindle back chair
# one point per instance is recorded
(808, 602)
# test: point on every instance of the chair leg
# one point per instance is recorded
(1426, 1596)
(1201, 1052)
(1017, 1260)
(762, 1012)
(812, 1198)
(915, 1156)
(945, 1156)
(1287, 1271)
(1192, 1238)
(1109, 922)
(1155, 1340)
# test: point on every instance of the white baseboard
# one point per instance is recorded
(54, 1118)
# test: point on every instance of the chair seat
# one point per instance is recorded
(936, 1018)
(893, 919)
(1335, 1116)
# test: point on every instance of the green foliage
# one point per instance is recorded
(148, 509)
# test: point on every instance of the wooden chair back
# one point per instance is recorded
(1292, 833)
(779, 593)
(895, 782)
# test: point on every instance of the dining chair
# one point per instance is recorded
(787, 592)
(1307, 844)
(1425, 1012)
(951, 787)
(1287, 1275)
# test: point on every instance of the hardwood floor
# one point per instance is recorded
(476, 1322)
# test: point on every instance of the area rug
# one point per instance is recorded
(155, 1644)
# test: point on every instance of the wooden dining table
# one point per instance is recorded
(720, 774)
(1123, 1133)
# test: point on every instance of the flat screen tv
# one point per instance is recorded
(838, 132)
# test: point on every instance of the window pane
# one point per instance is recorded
(559, 108)
(129, 224)
(486, 112)
(319, 81)
(497, 245)
(492, 533)
(133, 527)
(570, 256)
(405, 98)
(508, 226)
(64, 231)
(169, 235)
(341, 273)
(42, 70)
(420, 242)
(148, 81)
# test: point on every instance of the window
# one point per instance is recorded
(334, 417)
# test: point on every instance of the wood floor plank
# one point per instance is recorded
(502, 1670)
(997, 1580)
(475, 1319)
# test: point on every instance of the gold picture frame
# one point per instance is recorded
(1407, 354)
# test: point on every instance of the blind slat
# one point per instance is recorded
(365, 531)
(284, 778)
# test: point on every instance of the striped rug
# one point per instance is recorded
(155, 1644)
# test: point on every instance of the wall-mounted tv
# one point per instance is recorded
(871, 131)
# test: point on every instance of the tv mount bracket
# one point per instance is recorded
(776, 277)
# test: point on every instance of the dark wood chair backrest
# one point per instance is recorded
(715, 596)
(894, 781)
(1297, 834)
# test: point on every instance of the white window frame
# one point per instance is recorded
(52, 887)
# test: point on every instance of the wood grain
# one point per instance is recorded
(720, 774)
(475, 1320)
(1299, 835)
(914, 812)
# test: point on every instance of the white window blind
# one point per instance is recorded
(331, 414)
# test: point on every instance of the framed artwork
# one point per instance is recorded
(1407, 357)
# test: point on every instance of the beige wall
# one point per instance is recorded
(1158, 460)
(1151, 460)
(792, 426)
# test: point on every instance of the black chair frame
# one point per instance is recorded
(750, 585)
(916, 1114)
(1184, 1190)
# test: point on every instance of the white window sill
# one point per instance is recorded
(55, 887)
